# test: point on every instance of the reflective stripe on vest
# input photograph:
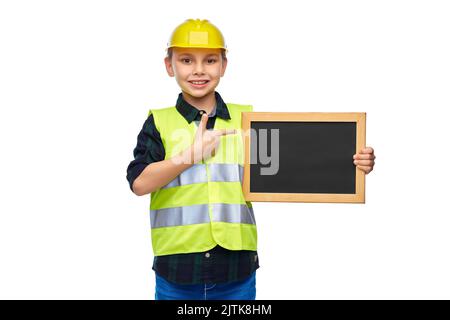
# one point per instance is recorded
(196, 214)
(197, 174)
(233, 213)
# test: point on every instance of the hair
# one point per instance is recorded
(170, 53)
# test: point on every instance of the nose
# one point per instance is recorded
(198, 69)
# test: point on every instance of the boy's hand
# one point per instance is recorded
(206, 141)
(365, 159)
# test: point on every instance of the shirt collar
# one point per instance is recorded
(190, 113)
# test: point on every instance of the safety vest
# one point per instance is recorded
(204, 206)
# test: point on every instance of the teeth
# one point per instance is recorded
(198, 82)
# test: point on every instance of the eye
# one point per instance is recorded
(211, 61)
(186, 60)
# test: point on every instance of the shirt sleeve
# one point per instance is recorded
(149, 149)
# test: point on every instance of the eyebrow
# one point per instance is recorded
(191, 55)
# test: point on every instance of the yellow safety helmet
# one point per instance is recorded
(197, 34)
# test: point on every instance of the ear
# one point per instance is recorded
(169, 67)
(224, 66)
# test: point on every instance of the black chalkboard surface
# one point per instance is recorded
(303, 157)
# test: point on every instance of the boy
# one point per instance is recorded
(189, 158)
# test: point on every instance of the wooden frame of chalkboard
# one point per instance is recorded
(355, 178)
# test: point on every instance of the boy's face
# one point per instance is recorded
(197, 70)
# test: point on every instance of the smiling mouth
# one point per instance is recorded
(198, 82)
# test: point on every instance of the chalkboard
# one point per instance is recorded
(303, 157)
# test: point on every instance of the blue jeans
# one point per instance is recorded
(240, 290)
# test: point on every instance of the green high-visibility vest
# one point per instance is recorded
(204, 206)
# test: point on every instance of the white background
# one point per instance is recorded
(78, 77)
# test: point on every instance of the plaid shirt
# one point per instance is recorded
(217, 265)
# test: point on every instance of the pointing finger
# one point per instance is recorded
(202, 124)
